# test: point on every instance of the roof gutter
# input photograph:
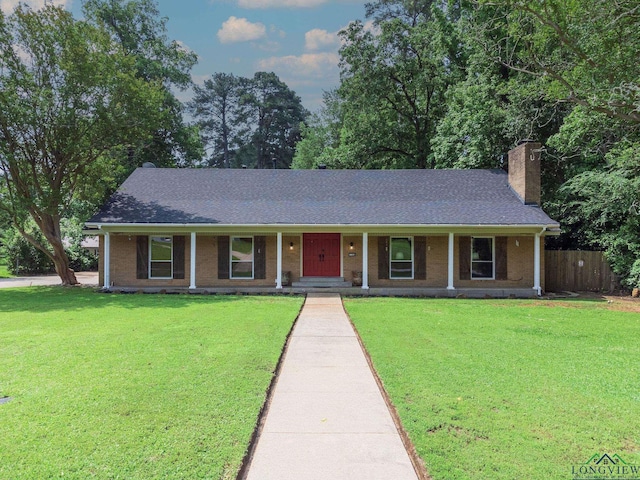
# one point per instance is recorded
(100, 228)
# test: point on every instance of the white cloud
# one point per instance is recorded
(7, 6)
(184, 47)
(304, 69)
(322, 40)
(318, 39)
(370, 26)
(241, 30)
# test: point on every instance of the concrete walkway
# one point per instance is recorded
(327, 418)
(85, 278)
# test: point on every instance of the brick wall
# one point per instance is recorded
(123, 263)
(353, 263)
(291, 256)
(519, 266)
(437, 247)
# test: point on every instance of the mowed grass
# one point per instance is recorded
(133, 386)
(507, 389)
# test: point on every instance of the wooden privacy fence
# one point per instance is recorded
(576, 270)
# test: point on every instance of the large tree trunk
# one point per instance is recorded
(51, 230)
(61, 262)
(50, 226)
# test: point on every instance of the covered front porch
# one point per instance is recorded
(410, 260)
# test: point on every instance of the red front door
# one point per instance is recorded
(321, 255)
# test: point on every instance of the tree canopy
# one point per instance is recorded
(248, 121)
(215, 106)
(69, 96)
(393, 81)
(141, 33)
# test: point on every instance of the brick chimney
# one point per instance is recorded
(524, 171)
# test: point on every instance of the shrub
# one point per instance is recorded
(22, 257)
(634, 275)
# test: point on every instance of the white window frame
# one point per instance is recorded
(391, 259)
(493, 259)
(253, 258)
(151, 237)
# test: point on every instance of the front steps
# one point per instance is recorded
(321, 282)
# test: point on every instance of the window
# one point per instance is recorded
(242, 257)
(161, 257)
(482, 255)
(401, 257)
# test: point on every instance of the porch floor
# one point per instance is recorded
(347, 291)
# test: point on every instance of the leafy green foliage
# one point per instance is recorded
(608, 203)
(137, 27)
(21, 257)
(472, 132)
(4, 271)
(277, 112)
(506, 389)
(421, 88)
(133, 386)
(584, 52)
(215, 106)
(81, 259)
(393, 82)
(68, 97)
(320, 136)
(248, 121)
(25, 259)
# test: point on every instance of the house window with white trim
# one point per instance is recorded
(482, 258)
(160, 257)
(401, 261)
(242, 257)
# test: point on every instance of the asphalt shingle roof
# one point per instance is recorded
(331, 197)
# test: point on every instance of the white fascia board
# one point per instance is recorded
(550, 229)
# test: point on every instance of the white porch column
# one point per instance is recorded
(365, 261)
(279, 263)
(192, 283)
(536, 265)
(450, 264)
(107, 260)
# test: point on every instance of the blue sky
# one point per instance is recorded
(296, 39)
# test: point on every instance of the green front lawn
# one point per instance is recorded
(508, 389)
(133, 386)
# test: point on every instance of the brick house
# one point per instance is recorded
(427, 232)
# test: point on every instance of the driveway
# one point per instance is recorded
(85, 278)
